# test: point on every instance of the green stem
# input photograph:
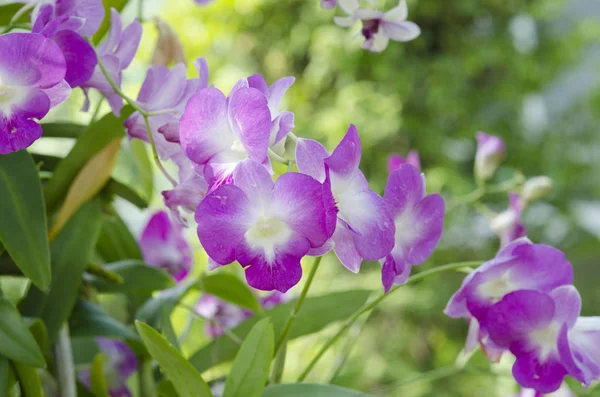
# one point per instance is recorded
(483, 190)
(279, 159)
(97, 110)
(155, 153)
(18, 15)
(63, 361)
(292, 317)
(430, 376)
(370, 306)
(278, 365)
(146, 378)
(140, 10)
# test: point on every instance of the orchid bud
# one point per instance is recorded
(328, 4)
(537, 188)
(490, 153)
(168, 47)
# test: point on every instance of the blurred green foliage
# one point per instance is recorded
(507, 67)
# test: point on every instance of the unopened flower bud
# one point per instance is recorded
(490, 153)
(537, 188)
(168, 47)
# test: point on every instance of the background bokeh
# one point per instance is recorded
(526, 70)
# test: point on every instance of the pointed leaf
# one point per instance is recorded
(62, 130)
(138, 278)
(316, 314)
(151, 311)
(312, 390)
(29, 380)
(87, 184)
(250, 369)
(97, 381)
(186, 380)
(231, 289)
(134, 169)
(16, 342)
(89, 319)
(23, 226)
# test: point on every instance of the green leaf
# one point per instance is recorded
(7, 12)
(116, 242)
(116, 188)
(4, 370)
(231, 289)
(166, 389)
(310, 390)
(108, 4)
(151, 312)
(97, 381)
(71, 251)
(62, 130)
(29, 380)
(316, 313)
(134, 169)
(167, 328)
(186, 380)
(138, 278)
(40, 334)
(16, 342)
(89, 319)
(91, 141)
(250, 370)
(23, 225)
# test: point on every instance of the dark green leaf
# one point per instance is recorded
(62, 130)
(89, 319)
(250, 370)
(108, 4)
(90, 142)
(316, 314)
(186, 380)
(4, 370)
(7, 12)
(29, 380)
(46, 162)
(23, 225)
(16, 342)
(151, 311)
(40, 334)
(97, 381)
(166, 389)
(310, 390)
(116, 188)
(70, 251)
(167, 328)
(138, 278)
(231, 289)
(116, 242)
(134, 169)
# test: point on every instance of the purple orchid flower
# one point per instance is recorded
(32, 72)
(508, 224)
(489, 155)
(190, 190)
(378, 27)
(204, 2)
(163, 245)
(165, 90)
(328, 4)
(275, 298)
(116, 53)
(562, 392)
(419, 223)
(529, 323)
(267, 227)
(62, 22)
(119, 364)
(222, 315)
(365, 227)
(282, 121)
(395, 161)
(90, 13)
(579, 348)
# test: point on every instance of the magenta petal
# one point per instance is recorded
(344, 248)
(429, 215)
(91, 11)
(222, 219)
(567, 302)
(204, 119)
(251, 119)
(310, 158)
(79, 55)
(404, 189)
(258, 82)
(545, 377)
(283, 123)
(36, 104)
(254, 180)
(17, 134)
(130, 41)
(346, 156)
(277, 91)
(282, 275)
(300, 198)
(394, 271)
(58, 93)
(203, 75)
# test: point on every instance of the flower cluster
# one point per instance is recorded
(522, 301)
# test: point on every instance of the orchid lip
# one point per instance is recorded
(497, 288)
(267, 233)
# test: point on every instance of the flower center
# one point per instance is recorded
(267, 234)
(495, 290)
(546, 340)
(237, 146)
(9, 95)
(370, 28)
(406, 227)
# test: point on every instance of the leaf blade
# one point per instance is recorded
(16, 341)
(312, 390)
(231, 289)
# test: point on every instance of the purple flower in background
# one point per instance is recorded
(221, 315)
(88, 13)
(32, 72)
(116, 53)
(267, 227)
(365, 228)
(508, 224)
(165, 90)
(119, 364)
(275, 298)
(579, 348)
(395, 161)
(489, 155)
(219, 132)
(190, 190)
(282, 121)
(378, 27)
(328, 4)
(204, 2)
(163, 245)
(529, 323)
(419, 223)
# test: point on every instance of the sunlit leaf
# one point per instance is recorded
(312, 390)
(29, 380)
(16, 342)
(97, 380)
(231, 289)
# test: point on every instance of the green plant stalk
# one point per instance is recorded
(18, 15)
(294, 313)
(146, 379)
(278, 365)
(370, 306)
(63, 362)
